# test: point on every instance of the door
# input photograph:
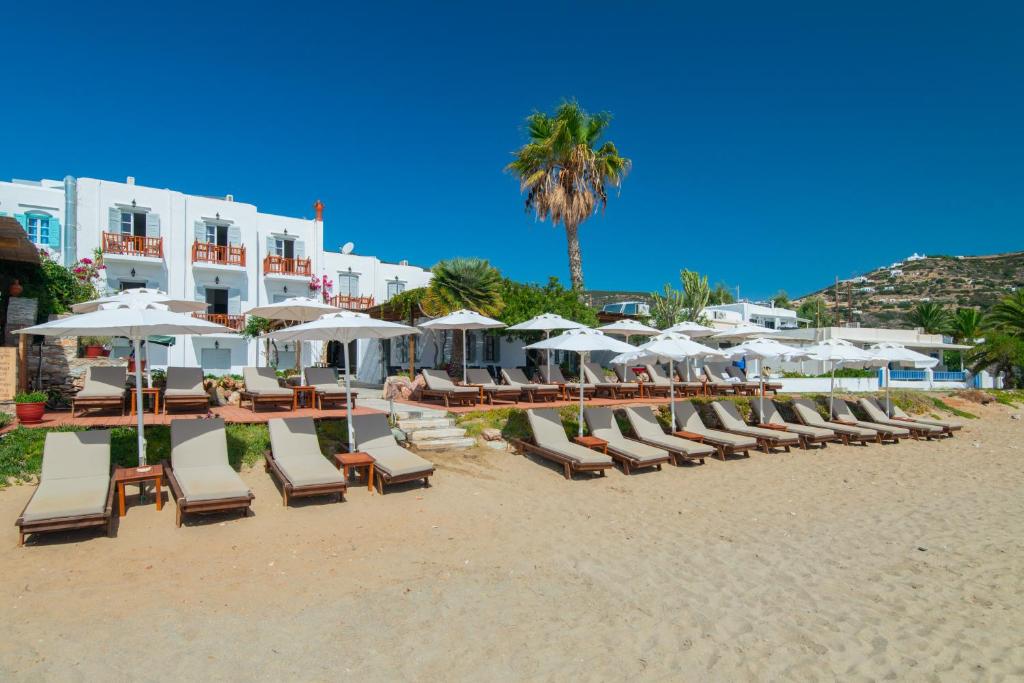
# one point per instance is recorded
(222, 236)
(130, 284)
(139, 224)
(216, 301)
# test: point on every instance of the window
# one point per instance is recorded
(131, 284)
(38, 228)
(217, 301)
(211, 233)
(348, 284)
(492, 348)
(395, 287)
(133, 223)
(401, 347)
(216, 234)
(284, 248)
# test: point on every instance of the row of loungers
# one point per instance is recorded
(691, 440)
(76, 486)
(105, 388)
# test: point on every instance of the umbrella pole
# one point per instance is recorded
(547, 355)
(672, 392)
(149, 370)
(348, 406)
(832, 389)
(761, 398)
(581, 393)
(464, 356)
(138, 402)
(888, 401)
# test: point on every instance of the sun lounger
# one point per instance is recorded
(876, 414)
(392, 463)
(659, 379)
(807, 435)
(199, 473)
(295, 460)
(842, 414)
(550, 442)
(741, 374)
(569, 389)
(185, 388)
(479, 377)
(440, 386)
(729, 416)
(594, 374)
(261, 386)
(694, 387)
(808, 415)
(104, 388)
(690, 426)
(326, 387)
(647, 429)
(947, 426)
(718, 383)
(528, 390)
(631, 454)
(75, 488)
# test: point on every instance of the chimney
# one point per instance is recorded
(130, 180)
(229, 198)
(319, 206)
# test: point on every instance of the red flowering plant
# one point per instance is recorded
(321, 284)
(87, 270)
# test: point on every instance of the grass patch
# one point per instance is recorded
(942, 405)
(1008, 397)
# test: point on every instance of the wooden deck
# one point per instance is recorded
(231, 414)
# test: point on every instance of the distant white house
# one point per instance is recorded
(740, 312)
(895, 272)
(916, 257)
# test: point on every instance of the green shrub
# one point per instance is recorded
(30, 397)
(5, 419)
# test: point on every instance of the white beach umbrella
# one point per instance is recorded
(583, 341)
(837, 352)
(761, 348)
(668, 347)
(135, 323)
(692, 329)
(627, 327)
(140, 296)
(344, 327)
(463, 320)
(546, 322)
(744, 331)
(296, 309)
(888, 353)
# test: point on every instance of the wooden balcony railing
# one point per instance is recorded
(230, 255)
(351, 303)
(287, 266)
(132, 245)
(235, 322)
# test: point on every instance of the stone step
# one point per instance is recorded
(413, 424)
(449, 443)
(434, 434)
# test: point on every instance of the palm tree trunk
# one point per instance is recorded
(572, 236)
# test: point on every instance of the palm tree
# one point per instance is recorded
(931, 317)
(564, 170)
(1003, 354)
(1008, 314)
(966, 325)
(457, 283)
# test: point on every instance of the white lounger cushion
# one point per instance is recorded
(772, 416)
(810, 416)
(549, 435)
(199, 458)
(296, 449)
(75, 479)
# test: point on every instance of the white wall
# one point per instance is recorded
(45, 197)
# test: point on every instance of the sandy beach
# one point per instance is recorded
(900, 562)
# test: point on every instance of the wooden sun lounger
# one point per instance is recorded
(551, 443)
(326, 387)
(842, 414)
(439, 386)
(199, 473)
(648, 430)
(262, 388)
(104, 388)
(690, 426)
(392, 463)
(185, 388)
(947, 427)
(772, 419)
(729, 415)
(295, 460)
(808, 415)
(529, 391)
(741, 374)
(876, 413)
(76, 489)
(479, 377)
(593, 374)
(723, 386)
(631, 455)
(569, 389)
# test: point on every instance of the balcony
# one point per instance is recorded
(278, 266)
(134, 246)
(214, 254)
(351, 303)
(235, 322)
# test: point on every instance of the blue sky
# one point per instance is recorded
(832, 139)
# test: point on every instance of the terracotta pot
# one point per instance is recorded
(131, 366)
(30, 413)
(93, 351)
(105, 352)
(15, 289)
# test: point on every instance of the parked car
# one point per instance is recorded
(631, 308)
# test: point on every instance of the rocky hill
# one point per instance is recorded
(883, 297)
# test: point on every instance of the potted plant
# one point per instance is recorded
(30, 406)
(93, 346)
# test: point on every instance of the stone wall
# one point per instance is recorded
(21, 312)
(61, 367)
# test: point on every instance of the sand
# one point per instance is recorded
(882, 562)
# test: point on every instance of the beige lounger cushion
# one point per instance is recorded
(877, 414)
(481, 376)
(296, 449)
(438, 380)
(324, 381)
(263, 381)
(593, 373)
(75, 478)
(104, 382)
(548, 434)
(185, 382)
(199, 458)
(517, 378)
(647, 428)
(772, 416)
(373, 435)
(730, 418)
(810, 416)
(601, 423)
(687, 420)
(555, 376)
(841, 411)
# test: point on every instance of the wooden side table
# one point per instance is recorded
(139, 475)
(355, 461)
(593, 442)
(146, 392)
(692, 436)
(307, 395)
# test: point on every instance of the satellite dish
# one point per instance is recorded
(347, 248)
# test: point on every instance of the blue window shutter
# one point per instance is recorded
(20, 217)
(234, 301)
(54, 233)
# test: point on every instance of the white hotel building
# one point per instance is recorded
(212, 249)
